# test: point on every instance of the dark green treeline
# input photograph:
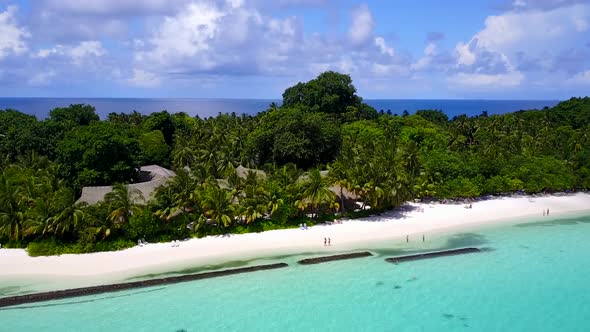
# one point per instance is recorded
(321, 151)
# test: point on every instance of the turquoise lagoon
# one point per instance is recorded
(535, 277)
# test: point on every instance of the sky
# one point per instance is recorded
(421, 49)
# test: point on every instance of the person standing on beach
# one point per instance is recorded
(547, 211)
(407, 238)
(329, 241)
(325, 241)
(422, 237)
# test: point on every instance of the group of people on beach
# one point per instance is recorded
(545, 213)
(327, 241)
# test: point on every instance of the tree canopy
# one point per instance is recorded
(287, 135)
(331, 93)
(323, 151)
(99, 154)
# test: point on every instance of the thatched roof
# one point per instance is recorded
(336, 189)
(152, 177)
(243, 172)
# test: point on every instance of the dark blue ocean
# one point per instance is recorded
(211, 107)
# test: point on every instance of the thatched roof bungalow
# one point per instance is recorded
(151, 178)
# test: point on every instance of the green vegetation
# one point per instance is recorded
(322, 153)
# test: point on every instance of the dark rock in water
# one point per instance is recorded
(463, 318)
(412, 279)
(326, 259)
(397, 287)
(448, 316)
(379, 283)
(93, 290)
(434, 254)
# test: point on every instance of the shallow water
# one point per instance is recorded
(534, 279)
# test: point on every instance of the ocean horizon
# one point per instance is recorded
(206, 107)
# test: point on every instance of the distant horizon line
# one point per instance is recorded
(278, 99)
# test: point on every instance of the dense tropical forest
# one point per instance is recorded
(323, 152)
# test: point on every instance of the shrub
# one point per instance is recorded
(141, 225)
(51, 247)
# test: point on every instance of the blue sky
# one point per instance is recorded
(485, 49)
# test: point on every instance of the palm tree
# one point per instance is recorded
(339, 176)
(274, 198)
(71, 215)
(252, 210)
(41, 217)
(182, 155)
(218, 206)
(122, 203)
(411, 161)
(315, 191)
(98, 219)
(12, 216)
(183, 187)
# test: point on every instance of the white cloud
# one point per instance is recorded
(186, 35)
(143, 78)
(474, 80)
(536, 36)
(464, 54)
(430, 51)
(347, 65)
(582, 78)
(86, 49)
(12, 37)
(46, 52)
(362, 25)
(78, 53)
(42, 78)
(110, 7)
(519, 3)
(544, 4)
(227, 38)
(532, 31)
(383, 48)
(383, 70)
(197, 39)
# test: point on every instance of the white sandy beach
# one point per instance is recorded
(419, 219)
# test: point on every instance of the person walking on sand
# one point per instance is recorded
(325, 241)
(329, 241)
(547, 211)
(422, 237)
(407, 238)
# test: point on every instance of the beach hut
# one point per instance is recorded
(151, 177)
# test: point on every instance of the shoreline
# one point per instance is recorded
(412, 221)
